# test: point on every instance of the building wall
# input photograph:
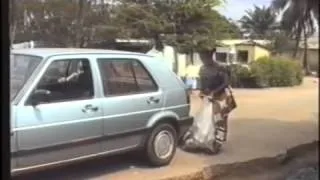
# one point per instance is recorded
(182, 64)
(313, 58)
(192, 71)
(168, 53)
(24, 45)
(260, 52)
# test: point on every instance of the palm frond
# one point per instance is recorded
(278, 5)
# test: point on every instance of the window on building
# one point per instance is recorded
(221, 57)
(242, 56)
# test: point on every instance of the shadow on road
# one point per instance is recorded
(88, 169)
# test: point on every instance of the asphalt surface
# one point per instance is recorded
(308, 173)
(298, 163)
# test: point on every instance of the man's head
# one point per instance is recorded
(84, 66)
(214, 50)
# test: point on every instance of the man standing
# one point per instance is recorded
(214, 54)
(209, 129)
(214, 82)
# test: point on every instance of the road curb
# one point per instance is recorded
(248, 167)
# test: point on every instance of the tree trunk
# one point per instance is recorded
(191, 57)
(12, 22)
(79, 31)
(176, 62)
(298, 37)
(305, 53)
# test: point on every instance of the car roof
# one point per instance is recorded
(46, 52)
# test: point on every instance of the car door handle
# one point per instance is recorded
(89, 107)
(153, 100)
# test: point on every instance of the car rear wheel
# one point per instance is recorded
(161, 145)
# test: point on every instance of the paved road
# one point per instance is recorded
(307, 173)
(266, 123)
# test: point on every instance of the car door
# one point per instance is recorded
(68, 123)
(131, 97)
(13, 138)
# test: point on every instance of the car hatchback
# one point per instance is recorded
(74, 104)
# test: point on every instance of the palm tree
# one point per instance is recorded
(298, 19)
(295, 9)
(259, 23)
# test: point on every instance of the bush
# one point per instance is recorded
(261, 71)
(240, 76)
(267, 72)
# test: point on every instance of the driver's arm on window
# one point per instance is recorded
(70, 77)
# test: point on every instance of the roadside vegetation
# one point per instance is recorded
(188, 25)
(267, 72)
(298, 21)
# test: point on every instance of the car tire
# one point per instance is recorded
(161, 145)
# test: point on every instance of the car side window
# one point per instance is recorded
(67, 80)
(124, 77)
(143, 78)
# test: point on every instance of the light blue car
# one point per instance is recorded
(74, 104)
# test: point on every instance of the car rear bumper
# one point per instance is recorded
(184, 125)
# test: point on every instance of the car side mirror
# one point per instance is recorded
(38, 96)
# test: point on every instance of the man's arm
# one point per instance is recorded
(224, 83)
(203, 81)
(70, 77)
(73, 75)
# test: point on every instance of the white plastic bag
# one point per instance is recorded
(202, 133)
(204, 126)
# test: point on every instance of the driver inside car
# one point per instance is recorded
(81, 77)
(83, 70)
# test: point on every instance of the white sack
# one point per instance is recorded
(201, 134)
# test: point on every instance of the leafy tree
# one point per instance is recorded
(281, 42)
(259, 23)
(189, 25)
(71, 23)
(298, 20)
(198, 27)
(16, 19)
(139, 19)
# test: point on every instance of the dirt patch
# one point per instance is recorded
(268, 168)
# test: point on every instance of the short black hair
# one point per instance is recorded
(214, 50)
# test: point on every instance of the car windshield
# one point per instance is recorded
(21, 68)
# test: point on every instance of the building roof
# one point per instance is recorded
(313, 43)
(252, 43)
(231, 42)
(45, 52)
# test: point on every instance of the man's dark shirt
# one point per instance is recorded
(213, 78)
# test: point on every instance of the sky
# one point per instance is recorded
(235, 9)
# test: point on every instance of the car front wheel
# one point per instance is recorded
(161, 145)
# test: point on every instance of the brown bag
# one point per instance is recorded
(231, 102)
